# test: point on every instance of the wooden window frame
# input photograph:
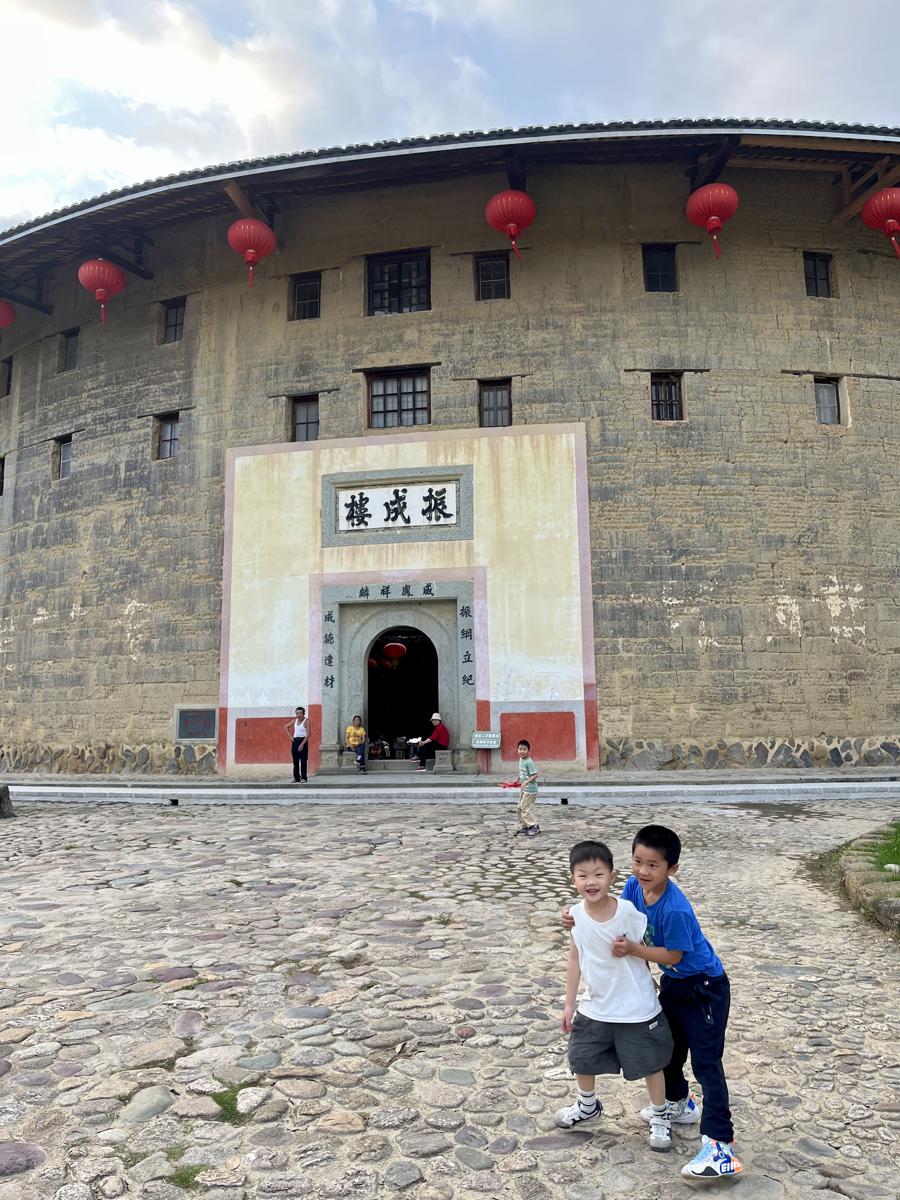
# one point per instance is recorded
(661, 407)
(2, 473)
(61, 462)
(657, 247)
(814, 259)
(162, 424)
(399, 374)
(297, 281)
(172, 332)
(6, 376)
(480, 261)
(294, 403)
(398, 258)
(67, 339)
(485, 386)
(839, 407)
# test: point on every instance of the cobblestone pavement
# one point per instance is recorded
(315, 1003)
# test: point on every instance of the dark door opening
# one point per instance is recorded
(403, 690)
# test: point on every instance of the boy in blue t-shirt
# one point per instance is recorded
(694, 993)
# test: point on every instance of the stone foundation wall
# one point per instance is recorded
(101, 758)
(627, 755)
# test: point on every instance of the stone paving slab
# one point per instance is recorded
(314, 1003)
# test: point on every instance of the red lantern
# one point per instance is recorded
(882, 211)
(7, 314)
(710, 207)
(510, 212)
(102, 278)
(373, 663)
(254, 239)
(395, 650)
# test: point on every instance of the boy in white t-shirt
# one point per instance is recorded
(619, 1025)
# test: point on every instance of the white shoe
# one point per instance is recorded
(660, 1133)
(575, 1115)
(678, 1112)
(713, 1160)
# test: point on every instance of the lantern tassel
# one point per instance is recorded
(894, 244)
(103, 311)
(716, 246)
(251, 274)
(515, 248)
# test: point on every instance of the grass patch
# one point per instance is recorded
(174, 1153)
(131, 1158)
(186, 1178)
(444, 918)
(227, 1101)
(888, 849)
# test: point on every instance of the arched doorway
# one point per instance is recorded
(403, 690)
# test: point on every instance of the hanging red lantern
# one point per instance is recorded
(7, 314)
(510, 212)
(102, 278)
(395, 650)
(882, 211)
(373, 663)
(253, 239)
(710, 207)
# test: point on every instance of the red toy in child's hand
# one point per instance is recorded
(514, 784)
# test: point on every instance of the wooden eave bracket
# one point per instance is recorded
(886, 172)
(515, 173)
(14, 294)
(709, 169)
(242, 201)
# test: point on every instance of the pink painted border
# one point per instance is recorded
(591, 731)
(225, 635)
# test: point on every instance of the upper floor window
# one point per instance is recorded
(61, 466)
(828, 401)
(495, 403)
(173, 319)
(306, 296)
(399, 398)
(817, 270)
(399, 283)
(666, 402)
(304, 418)
(2, 474)
(492, 277)
(659, 268)
(167, 435)
(5, 376)
(68, 349)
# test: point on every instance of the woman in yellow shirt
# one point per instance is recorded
(355, 740)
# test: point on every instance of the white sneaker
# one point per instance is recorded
(660, 1133)
(713, 1161)
(575, 1115)
(678, 1112)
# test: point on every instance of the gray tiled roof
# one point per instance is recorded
(470, 138)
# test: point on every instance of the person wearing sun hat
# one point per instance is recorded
(438, 739)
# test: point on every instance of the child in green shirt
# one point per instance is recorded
(528, 791)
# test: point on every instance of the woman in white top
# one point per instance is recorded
(299, 731)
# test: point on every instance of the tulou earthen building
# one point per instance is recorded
(634, 502)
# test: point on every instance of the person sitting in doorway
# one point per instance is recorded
(439, 739)
(355, 741)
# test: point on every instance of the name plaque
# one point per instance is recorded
(485, 739)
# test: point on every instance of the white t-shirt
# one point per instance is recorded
(300, 729)
(618, 989)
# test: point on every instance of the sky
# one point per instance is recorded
(102, 94)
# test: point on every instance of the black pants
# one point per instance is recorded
(697, 1011)
(425, 752)
(299, 758)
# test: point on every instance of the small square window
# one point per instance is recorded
(167, 434)
(495, 403)
(399, 398)
(61, 465)
(6, 365)
(659, 268)
(306, 297)
(195, 724)
(665, 396)
(828, 401)
(304, 418)
(399, 283)
(68, 349)
(173, 319)
(492, 277)
(817, 272)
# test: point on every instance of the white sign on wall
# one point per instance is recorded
(400, 506)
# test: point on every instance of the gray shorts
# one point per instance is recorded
(608, 1047)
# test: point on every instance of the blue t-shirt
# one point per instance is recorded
(672, 925)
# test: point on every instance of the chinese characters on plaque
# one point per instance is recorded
(414, 505)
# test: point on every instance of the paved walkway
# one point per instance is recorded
(310, 1003)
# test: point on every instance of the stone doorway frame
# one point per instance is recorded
(443, 610)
